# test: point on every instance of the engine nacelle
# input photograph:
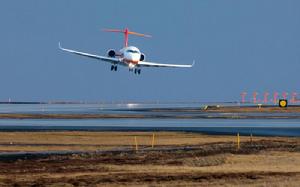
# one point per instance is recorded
(111, 53)
(143, 57)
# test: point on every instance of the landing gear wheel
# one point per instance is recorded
(112, 68)
(139, 71)
(135, 71)
(116, 68)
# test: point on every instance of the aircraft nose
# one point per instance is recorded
(134, 57)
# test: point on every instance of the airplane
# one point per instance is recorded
(128, 56)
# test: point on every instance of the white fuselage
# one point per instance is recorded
(130, 56)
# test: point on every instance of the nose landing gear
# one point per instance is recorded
(135, 70)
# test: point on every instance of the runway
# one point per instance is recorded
(266, 121)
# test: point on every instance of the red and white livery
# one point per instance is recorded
(128, 56)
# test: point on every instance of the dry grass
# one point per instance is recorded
(84, 141)
(278, 165)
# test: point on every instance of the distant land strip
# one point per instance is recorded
(225, 109)
(210, 112)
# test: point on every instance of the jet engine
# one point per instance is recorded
(111, 53)
(143, 57)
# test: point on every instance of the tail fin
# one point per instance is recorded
(126, 33)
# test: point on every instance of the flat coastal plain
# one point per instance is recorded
(82, 158)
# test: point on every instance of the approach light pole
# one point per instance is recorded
(255, 97)
(294, 97)
(275, 95)
(266, 94)
(284, 95)
(243, 95)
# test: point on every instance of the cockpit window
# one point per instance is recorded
(132, 51)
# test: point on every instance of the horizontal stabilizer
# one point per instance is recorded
(126, 32)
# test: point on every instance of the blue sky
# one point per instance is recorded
(238, 46)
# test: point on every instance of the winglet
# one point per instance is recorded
(193, 63)
(59, 45)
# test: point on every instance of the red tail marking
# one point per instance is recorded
(126, 37)
(126, 33)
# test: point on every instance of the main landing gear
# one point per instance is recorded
(113, 68)
(136, 71)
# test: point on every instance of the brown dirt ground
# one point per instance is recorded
(178, 159)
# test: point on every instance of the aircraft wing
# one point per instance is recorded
(104, 58)
(153, 64)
